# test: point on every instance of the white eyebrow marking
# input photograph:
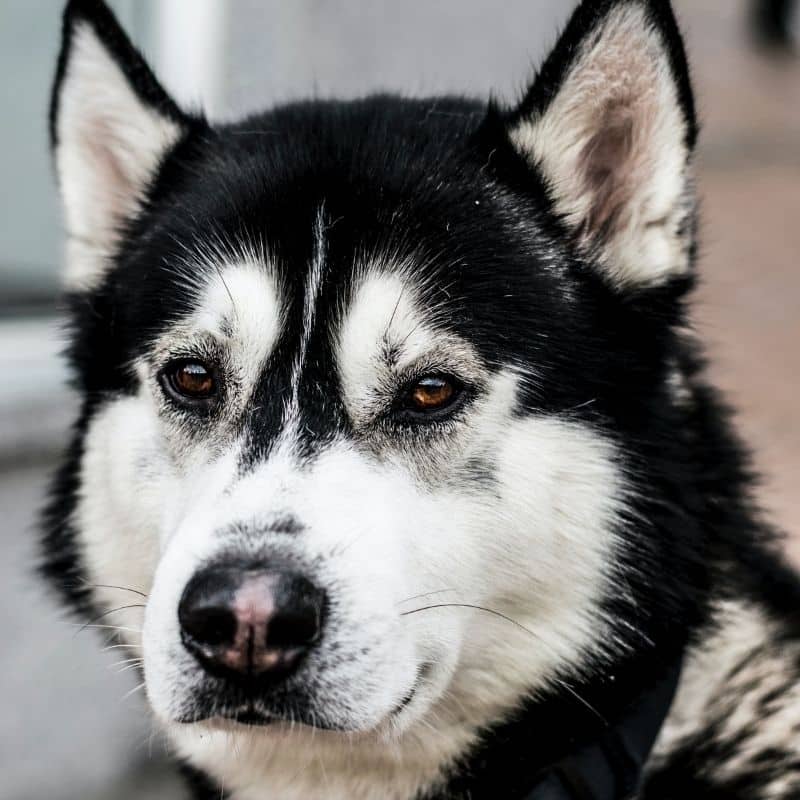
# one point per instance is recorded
(240, 304)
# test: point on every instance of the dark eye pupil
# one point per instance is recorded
(431, 393)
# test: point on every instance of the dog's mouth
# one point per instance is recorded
(423, 672)
(253, 716)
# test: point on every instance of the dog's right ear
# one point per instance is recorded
(111, 124)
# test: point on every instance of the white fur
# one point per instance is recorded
(124, 478)
(109, 146)
(240, 305)
(311, 300)
(727, 679)
(622, 70)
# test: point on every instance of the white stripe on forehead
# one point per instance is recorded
(313, 289)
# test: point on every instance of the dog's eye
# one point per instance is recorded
(431, 395)
(189, 381)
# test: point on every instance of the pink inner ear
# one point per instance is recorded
(605, 164)
(120, 193)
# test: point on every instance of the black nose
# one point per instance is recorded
(249, 622)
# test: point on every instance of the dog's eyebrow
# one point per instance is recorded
(226, 327)
(220, 329)
(239, 299)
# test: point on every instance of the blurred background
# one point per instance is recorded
(69, 729)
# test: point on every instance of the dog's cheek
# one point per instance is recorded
(547, 550)
(126, 485)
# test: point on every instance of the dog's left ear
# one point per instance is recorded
(609, 123)
(111, 125)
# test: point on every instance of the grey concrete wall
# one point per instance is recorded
(30, 219)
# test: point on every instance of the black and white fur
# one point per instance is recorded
(503, 582)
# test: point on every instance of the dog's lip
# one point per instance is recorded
(406, 701)
(251, 717)
(241, 716)
(423, 672)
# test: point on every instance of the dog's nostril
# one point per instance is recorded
(293, 629)
(249, 621)
(209, 624)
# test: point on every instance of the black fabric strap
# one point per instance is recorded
(611, 767)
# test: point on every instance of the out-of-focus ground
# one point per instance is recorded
(67, 729)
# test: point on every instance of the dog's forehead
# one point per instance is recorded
(331, 234)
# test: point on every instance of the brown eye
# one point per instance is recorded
(189, 380)
(431, 394)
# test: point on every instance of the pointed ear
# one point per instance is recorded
(111, 124)
(610, 125)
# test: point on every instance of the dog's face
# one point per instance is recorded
(356, 376)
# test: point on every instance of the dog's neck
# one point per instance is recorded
(569, 747)
(535, 757)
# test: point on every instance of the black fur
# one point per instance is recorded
(439, 181)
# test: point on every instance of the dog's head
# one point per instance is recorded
(363, 380)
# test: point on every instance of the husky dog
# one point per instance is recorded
(396, 463)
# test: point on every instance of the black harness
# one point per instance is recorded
(611, 767)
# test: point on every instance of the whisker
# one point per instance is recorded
(110, 611)
(134, 690)
(109, 627)
(112, 586)
(564, 685)
(129, 667)
(394, 313)
(517, 624)
(424, 594)
(486, 610)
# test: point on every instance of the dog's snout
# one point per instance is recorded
(250, 622)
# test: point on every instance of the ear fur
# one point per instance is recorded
(111, 124)
(610, 125)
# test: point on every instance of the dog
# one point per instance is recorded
(396, 465)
